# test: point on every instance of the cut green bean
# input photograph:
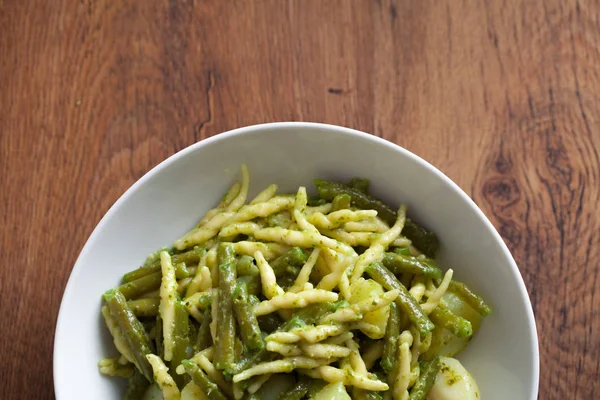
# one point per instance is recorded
(405, 251)
(296, 393)
(203, 381)
(314, 385)
(136, 386)
(225, 254)
(249, 329)
(192, 332)
(470, 297)
(360, 184)
(181, 271)
(341, 202)
(159, 340)
(245, 266)
(252, 283)
(201, 301)
(429, 370)
(405, 301)
(400, 264)
(290, 262)
(147, 283)
(144, 307)
(269, 322)
(181, 339)
(251, 358)
(224, 354)
(190, 257)
(204, 338)
(139, 342)
(390, 344)
(421, 238)
(315, 201)
(442, 316)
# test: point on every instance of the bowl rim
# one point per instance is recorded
(77, 267)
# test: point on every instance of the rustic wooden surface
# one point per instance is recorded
(502, 95)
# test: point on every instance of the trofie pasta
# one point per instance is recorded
(289, 297)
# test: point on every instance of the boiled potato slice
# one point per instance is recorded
(453, 382)
(444, 342)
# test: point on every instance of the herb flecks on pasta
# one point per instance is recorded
(336, 295)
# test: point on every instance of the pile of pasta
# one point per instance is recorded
(291, 297)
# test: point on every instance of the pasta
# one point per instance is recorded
(336, 290)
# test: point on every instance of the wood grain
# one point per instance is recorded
(502, 95)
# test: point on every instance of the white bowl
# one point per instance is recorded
(166, 202)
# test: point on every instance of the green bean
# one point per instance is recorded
(290, 262)
(181, 271)
(315, 201)
(225, 254)
(245, 266)
(224, 355)
(153, 264)
(329, 189)
(146, 283)
(361, 184)
(144, 307)
(421, 238)
(181, 336)
(399, 264)
(202, 302)
(139, 342)
(296, 393)
(159, 339)
(149, 325)
(136, 386)
(254, 301)
(314, 385)
(288, 280)
(269, 322)
(203, 381)
(341, 202)
(204, 338)
(253, 284)
(192, 332)
(429, 370)
(249, 329)
(470, 297)
(250, 359)
(392, 333)
(405, 251)
(443, 317)
(405, 301)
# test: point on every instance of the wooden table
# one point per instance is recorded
(501, 95)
